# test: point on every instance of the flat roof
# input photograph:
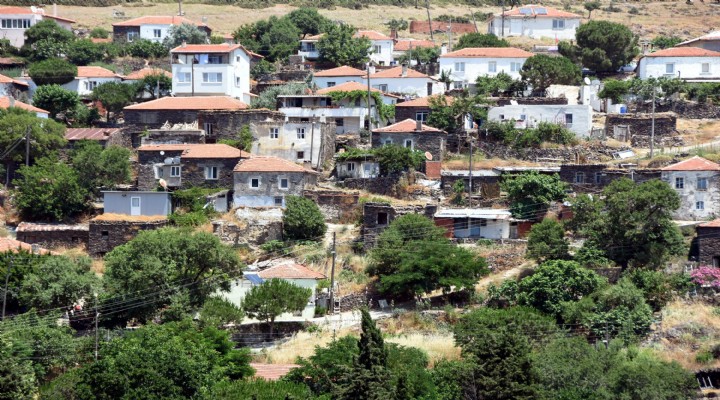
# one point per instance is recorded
(484, 213)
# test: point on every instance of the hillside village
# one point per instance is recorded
(515, 201)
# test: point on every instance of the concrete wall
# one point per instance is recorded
(269, 190)
(413, 87)
(323, 81)
(581, 116)
(535, 28)
(151, 203)
(682, 67)
(691, 194)
(235, 76)
(104, 236)
(423, 141)
(81, 85)
(357, 169)
(384, 57)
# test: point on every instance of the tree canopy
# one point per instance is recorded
(101, 167)
(273, 298)
(58, 281)
(302, 219)
(56, 100)
(547, 241)
(309, 21)
(530, 193)
(340, 46)
(49, 190)
(602, 46)
(114, 96)
(184, 33)
(52, 70)
(540, 71)
(474, 39)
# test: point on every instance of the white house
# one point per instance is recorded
(140, 74)
(475, 223)
(711, 41)
(14, 21)
(212, 70)
(403, 46)
(263, 181)
(308, 47)
(337, 76)
(577, 118)
(468, 64)
(9, 102)
(88, 78)
(693, 64)
(360, 164)
(535, 21)
(152, 27)
(405, 82)
(697, 181)
(381, 46)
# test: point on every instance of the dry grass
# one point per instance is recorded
(438, 346)
(302, 344)
(98, 267)
(698, 131)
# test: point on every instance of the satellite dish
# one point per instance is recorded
(586, 80)
(428, 156)
(162, 152)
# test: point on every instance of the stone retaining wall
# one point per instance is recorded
(104, 236)
(52, 236)
(337, 206)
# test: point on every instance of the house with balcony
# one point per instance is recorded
(152, 27)
(577, 118)
(262, 181)
(14, 21)
(692, 64)
(182, 166)
(337, 76)
(212, 70)
(88, 78)
(405, 82)
(466, 65)
(697, 182)
(349, 114)
(535, 21)
(308, 47)
(381, 47)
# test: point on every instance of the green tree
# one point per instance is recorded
(219, 312)
(58, 282)
(602, 46)
(631, 223)
(540, 71)
(56, 99)
(274, 297)
(195, 264)
(530, 193)
(260, 389)
(302, 219)
(144, 48)
(450, 114)
(309, 21)
(114, 96)
(547, 241)
(153, 83)
(49, 190)
(591, 6)
(17, 379)
(397, 24)
(281, 40)
(269, 97)
(99, 33)
(614, 90)
(100, 167)
(84, 52)
(474, 39)
(663, 42)
(496, 85)
(421, 55)
(46, 136)
(340, 46)
(46, 39)
(184, 33)
(394, 159)
(52, 71)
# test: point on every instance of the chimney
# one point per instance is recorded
(371, 68)
(54, 10)
(393, 34)
(404, 70)
(184, 44)
(443, 49)
(418, 126)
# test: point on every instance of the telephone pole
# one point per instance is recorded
(332, 276)
(97, 314)
(369, 116)
(470, 189)
(430, 27)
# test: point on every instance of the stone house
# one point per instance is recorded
(151, 27)
(412, 134)
(535, 21)
(362, 166)
(266, 181)
(136, 203)
(697, 181)
(378, 216)
(188, 165)
(53, 235)
(108, 231)
(485, 182)
(708, 243)
(103, 136)
(710, 41)
(14, 21)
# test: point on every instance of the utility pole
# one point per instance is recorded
(332, 276)
(430, 28)
(502, 19)
(474, 22)
(27, 146)
(652, 126)
(7, 280)
(470, 189)
(97, 314)
(369, 120)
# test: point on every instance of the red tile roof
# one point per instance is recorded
(210, 150)
(407, 126)
(536, 11)
(95, 72)
(372, 35)
(397, 73)
(208, 48)
(191, 103)
(422, 101)
(712, 36)
(147, 71)
(290, 270)
(269, 164)
(89, 133)
(7, 79)
(272, 372)
(9, 244)
(488, 52)
(23, 10)
(158, 20)
(696, 163)
(712, 224)
(684, 52)
(5, 102)
(407, 44)
(341, 71)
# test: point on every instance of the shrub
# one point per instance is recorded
(302, 219)
(53, 70)
(706, 276)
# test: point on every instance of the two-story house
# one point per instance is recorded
(88, 78)
(308, 47)
(535, 21)
(262, 181)
(339, 75)
(711, 41)
(412, 134)
(466, 65)
(577, 118)
(212, 70)
(697, 181)
(14, 21)
(693, 64)
(381, 46)
(182, 166)
(405, 82)
(152, 27)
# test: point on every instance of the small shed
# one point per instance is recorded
(468, 223)
(136, 203)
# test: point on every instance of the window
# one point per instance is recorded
(558, 24)
(515, 66)
(15, 23)
(157, 33)
(679, 183)
(212, 77)
(274, 133)
(598, 178)
(377, 49)
(421, 116)
(160, 173)
(492, 66)
(132, 35)
(283, 183)
(300, 155)
(330, 84)
(461, 223)
(457, 85)
(523, 117)
(382, 88)
(409, 143)
(339, 122)
(459, 67)
(174, 171)
(208, 127)
(183, 77)
(351, 166)
(279, 201)
(105, 234)
(579, 177)
(702, 184)
(215, 59)
(211, 173)
(237, 81)
(705, 68)
(300, 133)
(699, 205)
(670, 68)
(568, 119)
(388, 142)
(310, 46)
(90, 85)
(382, 218)
(255, 183)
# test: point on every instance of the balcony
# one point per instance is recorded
(330, 112)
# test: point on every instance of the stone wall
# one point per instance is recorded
(173, 136)
(640, 126)
(583, 153)
(254, 226)
(708, 244)
(106, 235)
(431, 142)
(192, 171)
(377, 217)
(337, 206)
(403, 113)
(505, 101)
(687, 109)
(597, 176)
(138, 121)
(120, 33)
(52, 236)
(487, 186)
(227, 124)
(383, 185)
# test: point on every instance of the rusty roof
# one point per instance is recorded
(9, 244)
(272, 372)
(424, 101)
(407, 126)
(158, 20)
(407, 44)
(340, 71)
(191, 103)
(147, 71)
(269, 164)
(90, 133)
(538, 11)
(209, 150)
(488, 52)
(397, 73)
(684, 52)
(696, 163)
(290, 270)
(6, 102)
(95, 72)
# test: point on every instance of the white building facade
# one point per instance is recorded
(577, 118)
(535, 21)
(381, 47)
(466, 65)
(154, 28)
(338, 76)
(688, 63)
(406, 82)
(14, 21)
(697, 182)
(88, 78)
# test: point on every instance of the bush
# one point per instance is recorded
(302, 219)
(146, 49)
(53, 70)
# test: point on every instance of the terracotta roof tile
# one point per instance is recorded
(95, 72)
(89, 133)
(536, 11)
(372, 35)
(290, 270)
(696, 163)
(341, 71)
(24, 10)
(272, 372)
(7, 79)
(5, 103)
(346, 87)
(422, 101)
(9, 244)
(269, 164)
(191, 103)
(407, 44)
(137, 75)
(712, 224)
(213, 150)
(488, 52)
(684, 52)
(208, 48)
(407, 126)
(158, 20)
(397, 73)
